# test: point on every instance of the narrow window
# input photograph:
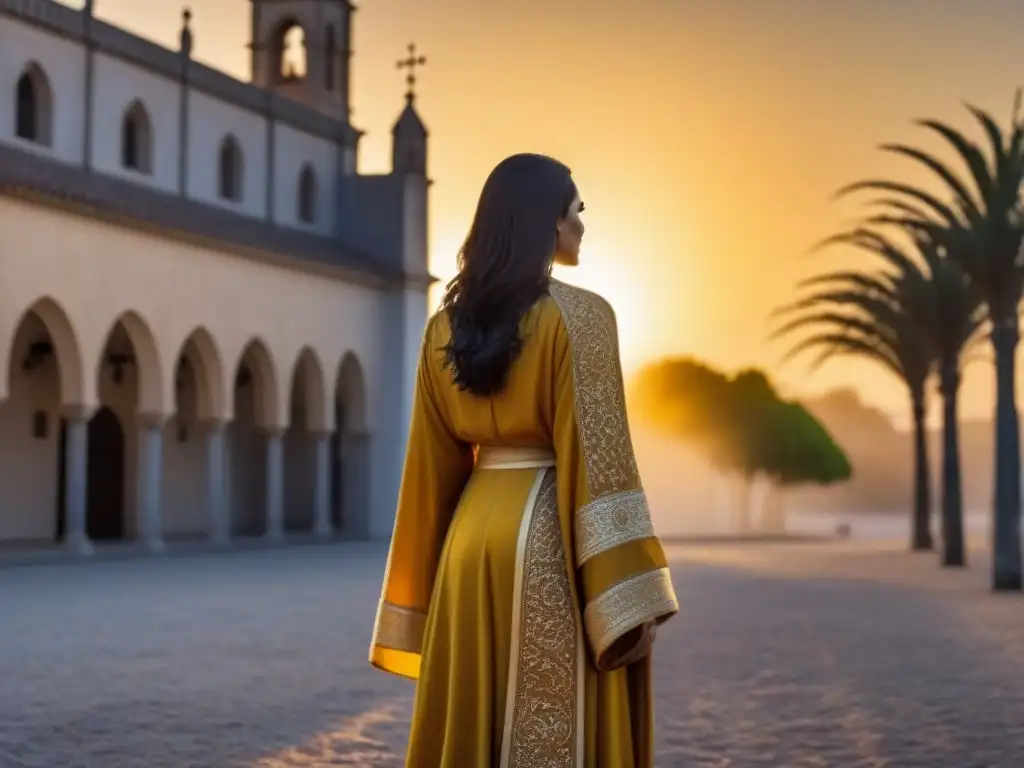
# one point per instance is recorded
(136, 139)
(33, 107)
(230, 166)
(307, 195)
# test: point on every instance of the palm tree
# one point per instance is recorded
(865, 315)
(982, 230)
(949, 313)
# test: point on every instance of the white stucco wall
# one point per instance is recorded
(117, 83)
(98, 272)
(28, 493)
(210, 121)
(293, 149)
(88, 275)
(63, 62)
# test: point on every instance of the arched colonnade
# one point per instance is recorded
(141, 443)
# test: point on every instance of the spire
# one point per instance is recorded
(186, 32)
(409, 135)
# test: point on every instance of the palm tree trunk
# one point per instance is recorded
(1006, 562)
(952, 488)
(921, 535)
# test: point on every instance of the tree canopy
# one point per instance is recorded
(805, 451)
(740, 423)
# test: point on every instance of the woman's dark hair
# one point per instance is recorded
(504, 267)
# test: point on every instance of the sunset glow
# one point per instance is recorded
(706, 137)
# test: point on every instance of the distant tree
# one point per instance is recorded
(682, 397)
(780, 441)
(805, 454)
(740, 425)
(747, 440)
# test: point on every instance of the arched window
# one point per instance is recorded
(230, 169)
(137, 139)
(290, 51)
(330, 57)
(307, 194)
(33, 106)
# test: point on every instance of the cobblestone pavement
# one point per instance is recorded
(784, 656)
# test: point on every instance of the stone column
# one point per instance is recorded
(322, 485)
(76, 458)
(275, 484)
(149, 485)
(218, 512)
(355, 481)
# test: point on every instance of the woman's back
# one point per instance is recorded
(523, 412)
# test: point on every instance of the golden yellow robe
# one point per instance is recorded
(506, 587)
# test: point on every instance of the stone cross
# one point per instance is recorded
(410, 63)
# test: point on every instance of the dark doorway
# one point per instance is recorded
(62, 480)
(105, 478)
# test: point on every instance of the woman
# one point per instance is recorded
(524, 581)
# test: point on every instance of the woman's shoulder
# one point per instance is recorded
(568, 311)
(580, 310)
(438, 323)
(436, 335)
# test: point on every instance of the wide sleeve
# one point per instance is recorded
(623, 579)
(437, 466)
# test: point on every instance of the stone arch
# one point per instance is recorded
(350, 394)
(230, 169)
(290, 56)
(42, 384)
(144, 356)
(306, 198)
(306, 425)
(33, 106)
(256, 368)
(200, 352)
(308, 372)
(349, 459)
(137, 138)
(66, 349)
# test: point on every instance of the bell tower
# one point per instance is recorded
(301, 50)
(409, 135)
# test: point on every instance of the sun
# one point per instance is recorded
(599, 273)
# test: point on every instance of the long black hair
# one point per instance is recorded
(504, 268)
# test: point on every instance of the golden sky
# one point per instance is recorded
(706, 136)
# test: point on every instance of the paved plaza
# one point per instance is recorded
(784, 656)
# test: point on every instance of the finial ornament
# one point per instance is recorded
(186, 31)
(410, 63)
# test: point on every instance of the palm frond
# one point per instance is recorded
(961, 193)
(939, 208)
(967, 150)
(835, 343)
